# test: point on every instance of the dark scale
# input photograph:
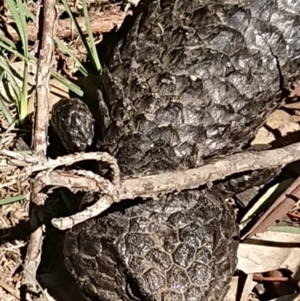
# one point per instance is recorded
(193, 80)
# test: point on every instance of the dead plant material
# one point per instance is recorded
(100, 23)
(296, 91)
(9, 289)
(145, 186)
(294, 215)
(281, 285)
(277, 210)
(261, 278)
(40, 131)
(9, 185)
(10, 254)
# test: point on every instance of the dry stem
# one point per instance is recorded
(144, 186)
(99, 24)
(40, 130)
(151, 186)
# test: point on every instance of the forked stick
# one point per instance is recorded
(154, 185)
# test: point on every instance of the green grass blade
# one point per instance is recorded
(74, 88)
(285, 229)
(17, 16)
(67, 51)
(12, 200)
(18, 11)
(5, 111)
(8, 45)
(22, 14)
(24, 98)
(80, 33)
(28, 13)
(62, 47)
(24, 94)
(74, 21)
(71, 86)
(12, 50)
(24, 152)
(91, 38)
(11, 79)
(8, 42)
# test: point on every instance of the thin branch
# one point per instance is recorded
(165, 182)
(144, 186)
(40, 129)
(78, 180)
(99, 24)
(33, 164)
(73, 158)
(151, 186)
(64, 223)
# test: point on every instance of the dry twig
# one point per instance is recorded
(33, 164)
(99, 24)
(149, 186)
(165, 182)
(40, 128)
(144, 186)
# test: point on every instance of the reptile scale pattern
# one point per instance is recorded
(193, 80)
(182, 247)
(196, 79)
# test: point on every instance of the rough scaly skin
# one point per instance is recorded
(193, 80)
(178, 248)
(73, 118)
(197, 79)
